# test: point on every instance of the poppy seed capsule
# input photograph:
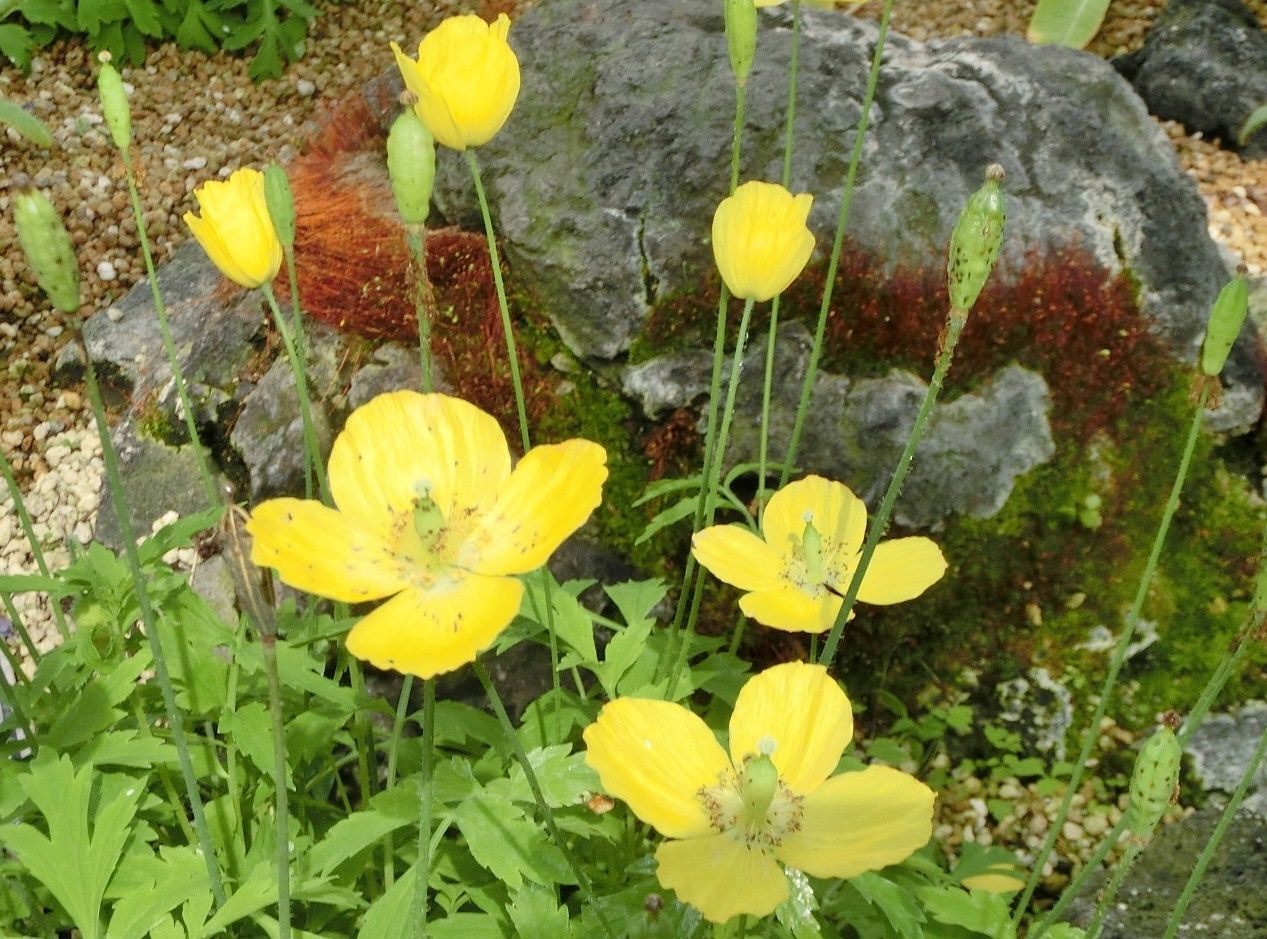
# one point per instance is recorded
(281, 203)
(1227, 316)
(411, 163)
(741, 37)
(974, 244)
(114, 105)
(48, 249)
(1153, 781)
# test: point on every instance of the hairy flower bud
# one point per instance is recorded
(1153, 781)
(974, 244)
(411, 163)
(741, 36)
(1227, 316)
(281, 204)
(48, 248)
(114, 104)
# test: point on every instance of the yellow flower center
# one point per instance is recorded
(425, 541)
(753, 805)
(815, 562)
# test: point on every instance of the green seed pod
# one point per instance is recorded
(411, 163)
(1227, 316)
(114, 104)
(48, 249)
(281, 204)
(974, 244)
(1153, 781)
(741, 36)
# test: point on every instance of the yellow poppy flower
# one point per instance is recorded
(465, 80)
(429, 514)
(770, 801)
(236, 230)
(760, 239)
(797, 575)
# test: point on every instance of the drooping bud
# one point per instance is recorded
(281, 204)
(1227, 316)
(48, 248)
(114, 103)
(1153, 781)
(975, 242)
(741, 37)
(411, 163)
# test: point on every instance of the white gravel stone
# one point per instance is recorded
(106, 271)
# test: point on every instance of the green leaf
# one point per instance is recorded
(93, 14)
(251, 730)
(675, 513)
(16, 43)
(125, 748)
(663, 487)
(1252, 123)
(624, 650)
(93, 709)
(31, 583)
(572, 622)
(58, 13)
(199, 28)
(1065, 931)
(508, 845)
(1071, 23)
(388, 811)
(183, 875)
(75, 866)
(29, 126)
(980, 911)
(895, 902)
(268, 58)
(536, 914)
(635, 599)
(797, 911)
(145, 18)
(565, 778)
(257, 891)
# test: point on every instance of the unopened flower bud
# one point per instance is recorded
(1227, 316)
(1153, 781)
(411, 163)
(975, 242)
(741, 36)
(48, 248)
(281, 204)
(114, 104)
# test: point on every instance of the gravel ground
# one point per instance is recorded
(198, 117)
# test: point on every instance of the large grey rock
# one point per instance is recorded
(1229, 904)
(1204, 64)
(1221, 748)
(213, 324)
(967, 463)
(606, 176)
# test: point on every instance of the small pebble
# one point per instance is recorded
(106, 271)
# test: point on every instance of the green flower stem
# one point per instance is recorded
(424, 300)
(711, 485)
(268, 645)
(556, 715)
(301, 388)
(10, 695)
(393, 745)
(169, 346)
(512, 351)
(842, 219)
(945, 353)
(301, 343)
(361, 725)
(508, 728)
(1120, 870)
(1207, 853)
(28, 529)
(19, 627)
(1074, 889)
(422, 870)
(1092, 732)
(150, 623)
(714, 394)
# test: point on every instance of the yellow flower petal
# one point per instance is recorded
(738, 557)
(801, 710)
(999, 878)
(235, 228)
(859, 822)
(317, 549)
(721, 877)
(655, 756)
(429, 632)
(901, 569)
(403, 440)
(551, 493)
(839, 516)
(760, 239)
(791, 609)
(467, 80)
